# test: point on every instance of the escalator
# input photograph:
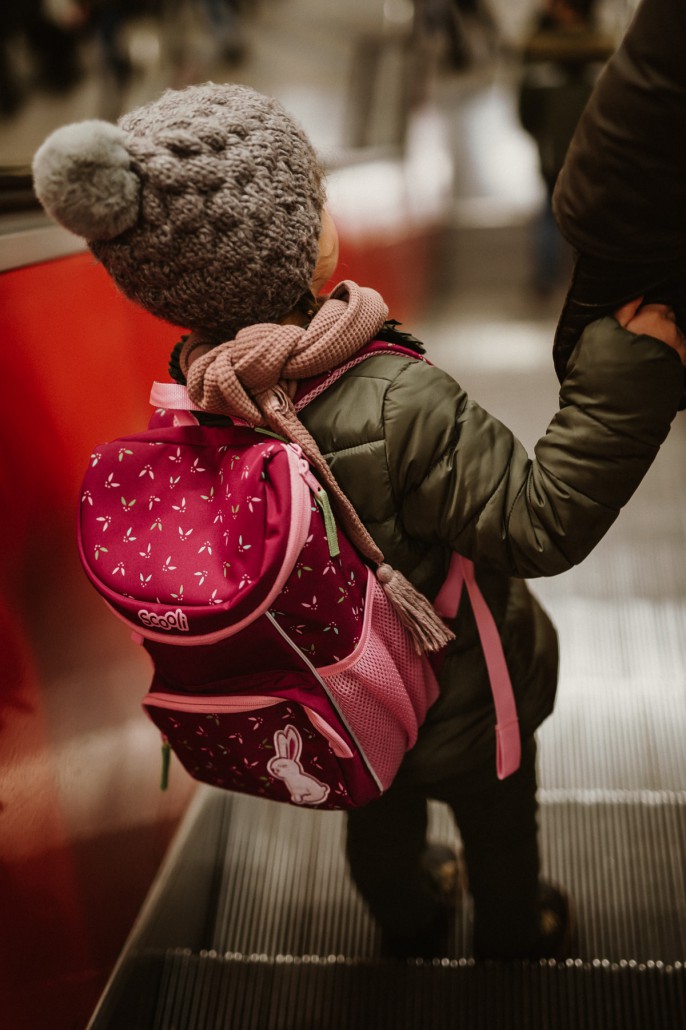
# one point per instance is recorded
(254, 925)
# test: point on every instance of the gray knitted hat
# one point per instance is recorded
(204, 206)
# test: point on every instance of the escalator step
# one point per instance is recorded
(257, 927)
(622, 855)
(209, 992)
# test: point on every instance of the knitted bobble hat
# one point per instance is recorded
(204, 205)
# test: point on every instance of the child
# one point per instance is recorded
(207, 207)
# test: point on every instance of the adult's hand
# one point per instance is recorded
(656, 320)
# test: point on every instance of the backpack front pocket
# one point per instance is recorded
(272, 746)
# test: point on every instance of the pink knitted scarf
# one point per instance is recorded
(253, 378)
(230, 378)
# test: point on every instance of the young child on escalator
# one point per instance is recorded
(207, 207)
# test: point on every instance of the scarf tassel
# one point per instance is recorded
(426, 627)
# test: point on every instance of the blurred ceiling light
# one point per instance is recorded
(399, 12)
(144, 45)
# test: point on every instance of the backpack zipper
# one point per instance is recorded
(242, 703)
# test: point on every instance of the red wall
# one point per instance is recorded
(83, 824)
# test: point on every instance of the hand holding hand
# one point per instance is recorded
(656, 320)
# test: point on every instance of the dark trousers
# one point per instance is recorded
(497, 820)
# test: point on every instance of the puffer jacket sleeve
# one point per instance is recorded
(460, 477)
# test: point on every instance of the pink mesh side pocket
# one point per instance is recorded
(384, 689)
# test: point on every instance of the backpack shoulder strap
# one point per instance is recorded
(309, 389)
(508, 743)
(460, 572)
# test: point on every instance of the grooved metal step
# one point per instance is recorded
(205, 991)
(256, 924)
(280, 885)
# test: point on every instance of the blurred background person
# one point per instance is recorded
(46, 32)
(464, 30)
(196, 34)
(561, 59)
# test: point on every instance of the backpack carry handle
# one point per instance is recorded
(171, 396)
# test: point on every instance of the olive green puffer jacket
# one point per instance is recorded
(429, 471)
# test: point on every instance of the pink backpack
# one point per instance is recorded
(280, 667)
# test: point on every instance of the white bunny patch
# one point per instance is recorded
(285, 765)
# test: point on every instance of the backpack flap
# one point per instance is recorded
(166, 540)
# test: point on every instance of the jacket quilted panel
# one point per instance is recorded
(428, 470)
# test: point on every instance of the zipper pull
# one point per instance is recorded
(322, 499)
(166, 756)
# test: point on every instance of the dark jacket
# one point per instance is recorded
(560, 64)
(620, 196)
(429, 471)
(620, 199)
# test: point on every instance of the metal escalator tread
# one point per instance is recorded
(622, 855)
(283, 941)
(210, 992)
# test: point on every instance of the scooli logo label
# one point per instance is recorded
(168, 620)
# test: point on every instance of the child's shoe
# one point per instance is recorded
(446, 869)
(556, 930)
(557, 923)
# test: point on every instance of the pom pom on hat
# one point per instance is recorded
(83, 178)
